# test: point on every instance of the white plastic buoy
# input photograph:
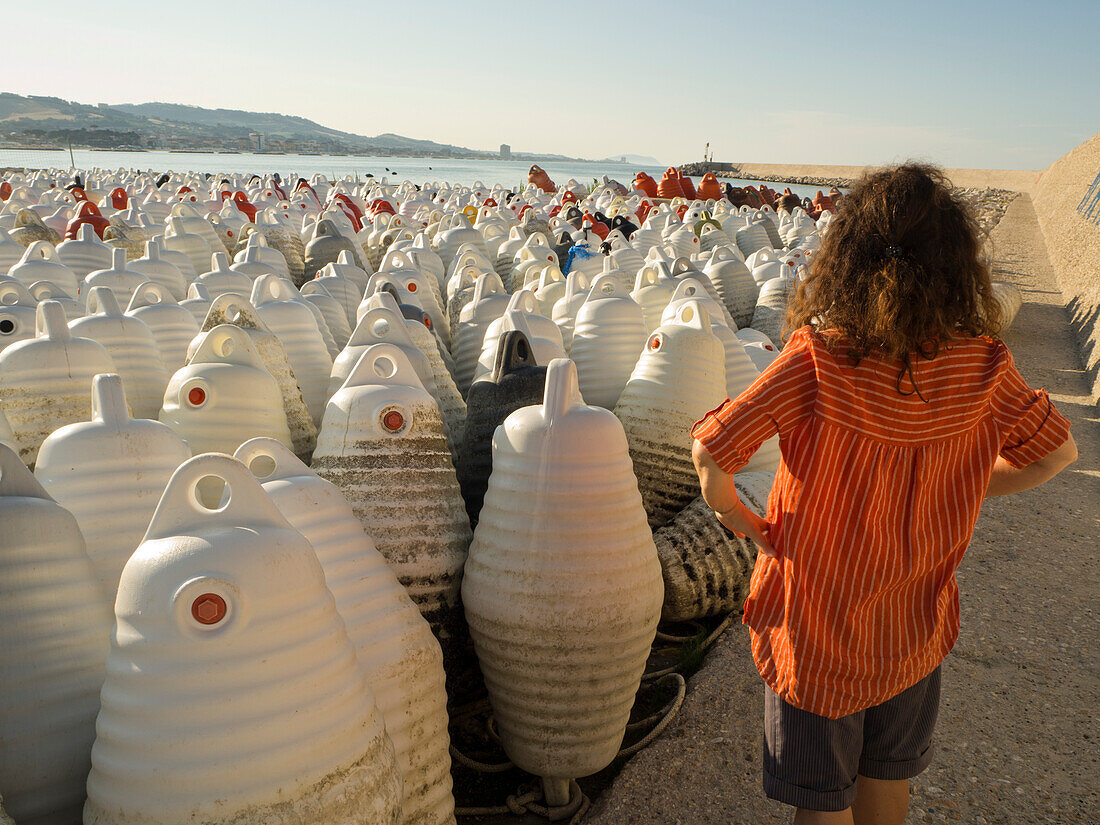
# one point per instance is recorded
(401, 658)
(562, 589)
(118, 277)
(86, 253)
(156, 267)
(522, 315)
(197, 302)
(346, 291)
(653, 288)
(733, 282)
(488, 302)
(131, 346)
(233, 694)
(54, 628)
(771, 308)
(224, 396)
(41, 263)
(282, 309)
(109, 473)
(332, 312)
(220, 279)
(382, 443)
(236, 310)
(608, 337)
(173, 326)
(383, 324)
(18, 310)
(399, 268)
(44, 382)
(679, 377)
(257, 258)
(195, 247)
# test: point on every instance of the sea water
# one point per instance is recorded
(509, 173)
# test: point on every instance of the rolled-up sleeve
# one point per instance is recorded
(1031, 425)
(775, 403)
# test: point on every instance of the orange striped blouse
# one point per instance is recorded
(872, 508)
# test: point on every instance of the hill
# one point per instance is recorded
(37, 120)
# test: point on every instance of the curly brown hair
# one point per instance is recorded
(899, 270)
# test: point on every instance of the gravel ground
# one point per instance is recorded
(1018, 731)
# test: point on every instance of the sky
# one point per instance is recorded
(978, 84)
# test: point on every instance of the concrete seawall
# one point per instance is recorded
(1067, 202)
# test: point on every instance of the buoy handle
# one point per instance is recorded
(383, 364)
(102, 301)
(284, 463)
(109, 399)
(50, 322)
(180, 506)
(562, 389)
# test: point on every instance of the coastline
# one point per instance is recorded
(1013, 180)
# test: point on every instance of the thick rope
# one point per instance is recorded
(677, 639)
(707, 642)
(667, 715)
(481, 767)
(526, 800)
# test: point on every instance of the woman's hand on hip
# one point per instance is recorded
(746, 524)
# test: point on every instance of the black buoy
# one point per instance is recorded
(516, 381)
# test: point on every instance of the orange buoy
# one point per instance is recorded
(537, 175)
(596, 225)
(118, 198)
(687, 184)
(645, 183)
(669, 186)
(87, 213)
(709, 188)
(240, 200)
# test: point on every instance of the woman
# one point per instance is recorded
(898, 412)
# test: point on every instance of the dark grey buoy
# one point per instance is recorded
(516, 381)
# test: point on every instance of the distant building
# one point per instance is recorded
(505, 151)
(257, 140)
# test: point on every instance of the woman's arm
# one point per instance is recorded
(1007, 479)
(721, 496)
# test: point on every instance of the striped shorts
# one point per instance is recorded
(812, 761)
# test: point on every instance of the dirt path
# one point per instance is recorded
(1017, 737)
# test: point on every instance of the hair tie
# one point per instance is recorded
(895, 252)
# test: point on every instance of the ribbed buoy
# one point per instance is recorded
(562, 588)
(516, 381)
(109, 473)
(233, 694)
(382, 443)
(54, 628)
(679, 377)
(401, 658)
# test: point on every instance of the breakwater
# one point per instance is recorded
(1067, 203)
